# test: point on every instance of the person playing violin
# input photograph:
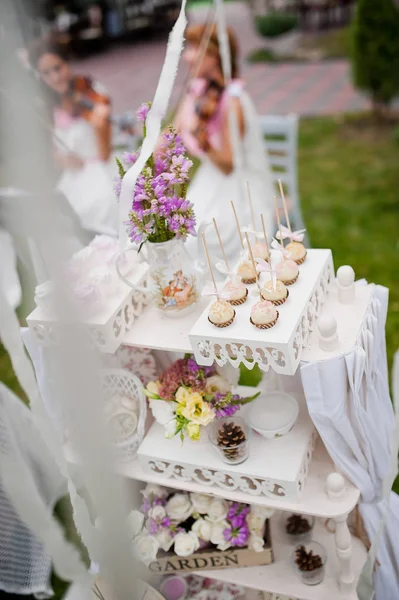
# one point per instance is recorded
(81, 112)
(203, 119)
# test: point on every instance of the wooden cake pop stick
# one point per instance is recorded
(210, 264)
(253, 264)
(238, 225)
(285, 205)
(265, 234)
(279, 225)
(251, 208)
(221, 244)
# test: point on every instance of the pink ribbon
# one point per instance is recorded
(264, 267)
(294, 236)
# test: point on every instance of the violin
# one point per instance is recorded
(205, 108)
(81, 98)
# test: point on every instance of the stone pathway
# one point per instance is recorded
(131, 72)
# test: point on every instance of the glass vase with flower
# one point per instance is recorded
(162, 218)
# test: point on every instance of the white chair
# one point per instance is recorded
(123, 133)
(280, 134)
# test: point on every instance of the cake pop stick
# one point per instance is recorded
(238, 225)
(253, 264)
(210, 264)
(221, 244)
(279, 226)
(251, 208)
(285, 205)
(265, 235)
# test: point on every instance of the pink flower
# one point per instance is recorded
(142, 112)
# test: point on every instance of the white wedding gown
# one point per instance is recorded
(211, 191)
(89, 190)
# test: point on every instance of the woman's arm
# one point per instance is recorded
(223, 158)
(102, 127)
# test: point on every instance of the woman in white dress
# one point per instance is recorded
(81, 113)
(205, 125)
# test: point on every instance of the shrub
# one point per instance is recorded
(274, 24)
(262, 55)
(375, 50)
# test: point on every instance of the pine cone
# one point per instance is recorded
(307, 561)
(230, 437)
(297, 525)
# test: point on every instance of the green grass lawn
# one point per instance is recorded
(349, 186)
(333, 44)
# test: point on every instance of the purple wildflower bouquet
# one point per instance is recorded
(160, 209)
(188, 396)
(189, 522)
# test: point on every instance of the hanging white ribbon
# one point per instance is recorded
(210, 290)
(251, 231)
(154, 120)
(232, 275)
(294, 236)
(277, 246)
(264, 267)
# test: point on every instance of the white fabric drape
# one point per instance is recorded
(348, 401)
(30, 484)
(8, 271)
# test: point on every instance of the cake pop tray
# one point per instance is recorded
(108, 324)
(280, 347)
(275, 468)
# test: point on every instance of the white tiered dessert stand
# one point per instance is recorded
(326, 494)
(323, 320)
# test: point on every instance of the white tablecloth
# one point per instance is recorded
(348, 400)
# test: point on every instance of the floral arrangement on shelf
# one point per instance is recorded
(189, 522)
(160, 209)
(187, 397)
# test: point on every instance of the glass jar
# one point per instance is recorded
(297, 528)
(313, 576)
(173, 278)
(233, 453)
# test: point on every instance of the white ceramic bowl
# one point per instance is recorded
(273, 414)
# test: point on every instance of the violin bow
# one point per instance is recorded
(204, 43)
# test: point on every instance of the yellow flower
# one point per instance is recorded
(193, 431)
(182, 395)
(197, 410)
(152, 389)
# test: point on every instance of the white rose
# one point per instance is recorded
(186, 543)
(217, 383)
(135, 522)
(162, 411)
(203, 529)
(232, 374)
(145, 548)
(256, 543)
(170, 429)
(164, 539)
(217, 510)
(201, 503)
(217, 536)
(157, 513)
(262, 511)
(255, 523)
(152, 489)
(179, 507)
